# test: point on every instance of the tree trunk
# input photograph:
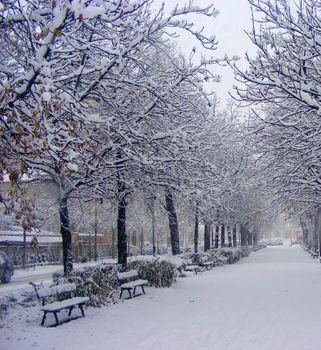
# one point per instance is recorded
(243, 235)
(121, 226)
(128, 243)
(318, 228)
(304, 232)
(207, 236)
(141, 242)
(24, 252)
(254, 239)
(248, 237)
(315, 234)
(113, 243)
(89, 246)
(196, 230)
(234, 236)
(217, 234)
(222, 236)
(66, 236)
(229, 236)
(95, 237)
(134, 239)
(153, 227)
(173, 223)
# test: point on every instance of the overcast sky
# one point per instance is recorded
(228, 27)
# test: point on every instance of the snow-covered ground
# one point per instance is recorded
(271, 300)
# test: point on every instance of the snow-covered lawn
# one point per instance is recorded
(271, 300)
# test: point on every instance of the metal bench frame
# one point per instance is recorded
(129, 282)
(55, 307)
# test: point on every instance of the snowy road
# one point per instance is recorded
(269, 301)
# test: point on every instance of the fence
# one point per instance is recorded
(52, 254)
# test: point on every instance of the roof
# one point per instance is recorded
(7, 237)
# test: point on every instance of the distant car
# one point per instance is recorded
(276, 241)
(6, 268)
(294, 241)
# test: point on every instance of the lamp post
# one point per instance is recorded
(95, 237)
(153, 226)
(24, 254)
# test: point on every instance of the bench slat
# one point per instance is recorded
(129, 281)
(127, 275)
(59, 305)
(134, 284)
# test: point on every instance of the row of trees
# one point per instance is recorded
(283, 84)
(95, 97)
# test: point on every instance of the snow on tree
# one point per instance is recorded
(153, 144)
(283, 84)
(62, 65)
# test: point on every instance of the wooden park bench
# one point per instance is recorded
(60, 291)
(129, 281)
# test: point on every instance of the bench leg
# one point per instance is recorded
(57, 311)
(56, 317)
(82, 309)
(45, 315)
(70, 309)
(129, 292)
(44, 318)
(142, 287)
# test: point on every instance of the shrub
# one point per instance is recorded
(232, 255)
(96, 282)
(197, 258)
(158, 272)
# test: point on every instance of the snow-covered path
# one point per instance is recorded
(271, 300)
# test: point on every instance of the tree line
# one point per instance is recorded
(97, 98)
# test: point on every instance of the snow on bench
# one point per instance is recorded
(129, 281)
(43, 293)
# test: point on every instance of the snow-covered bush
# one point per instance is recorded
(157, 271)
(213, 255)
(210, 255)
(5, 303)
(96, 282)
(194, 258)
(231, 255)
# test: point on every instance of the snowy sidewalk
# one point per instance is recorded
(269, 301)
